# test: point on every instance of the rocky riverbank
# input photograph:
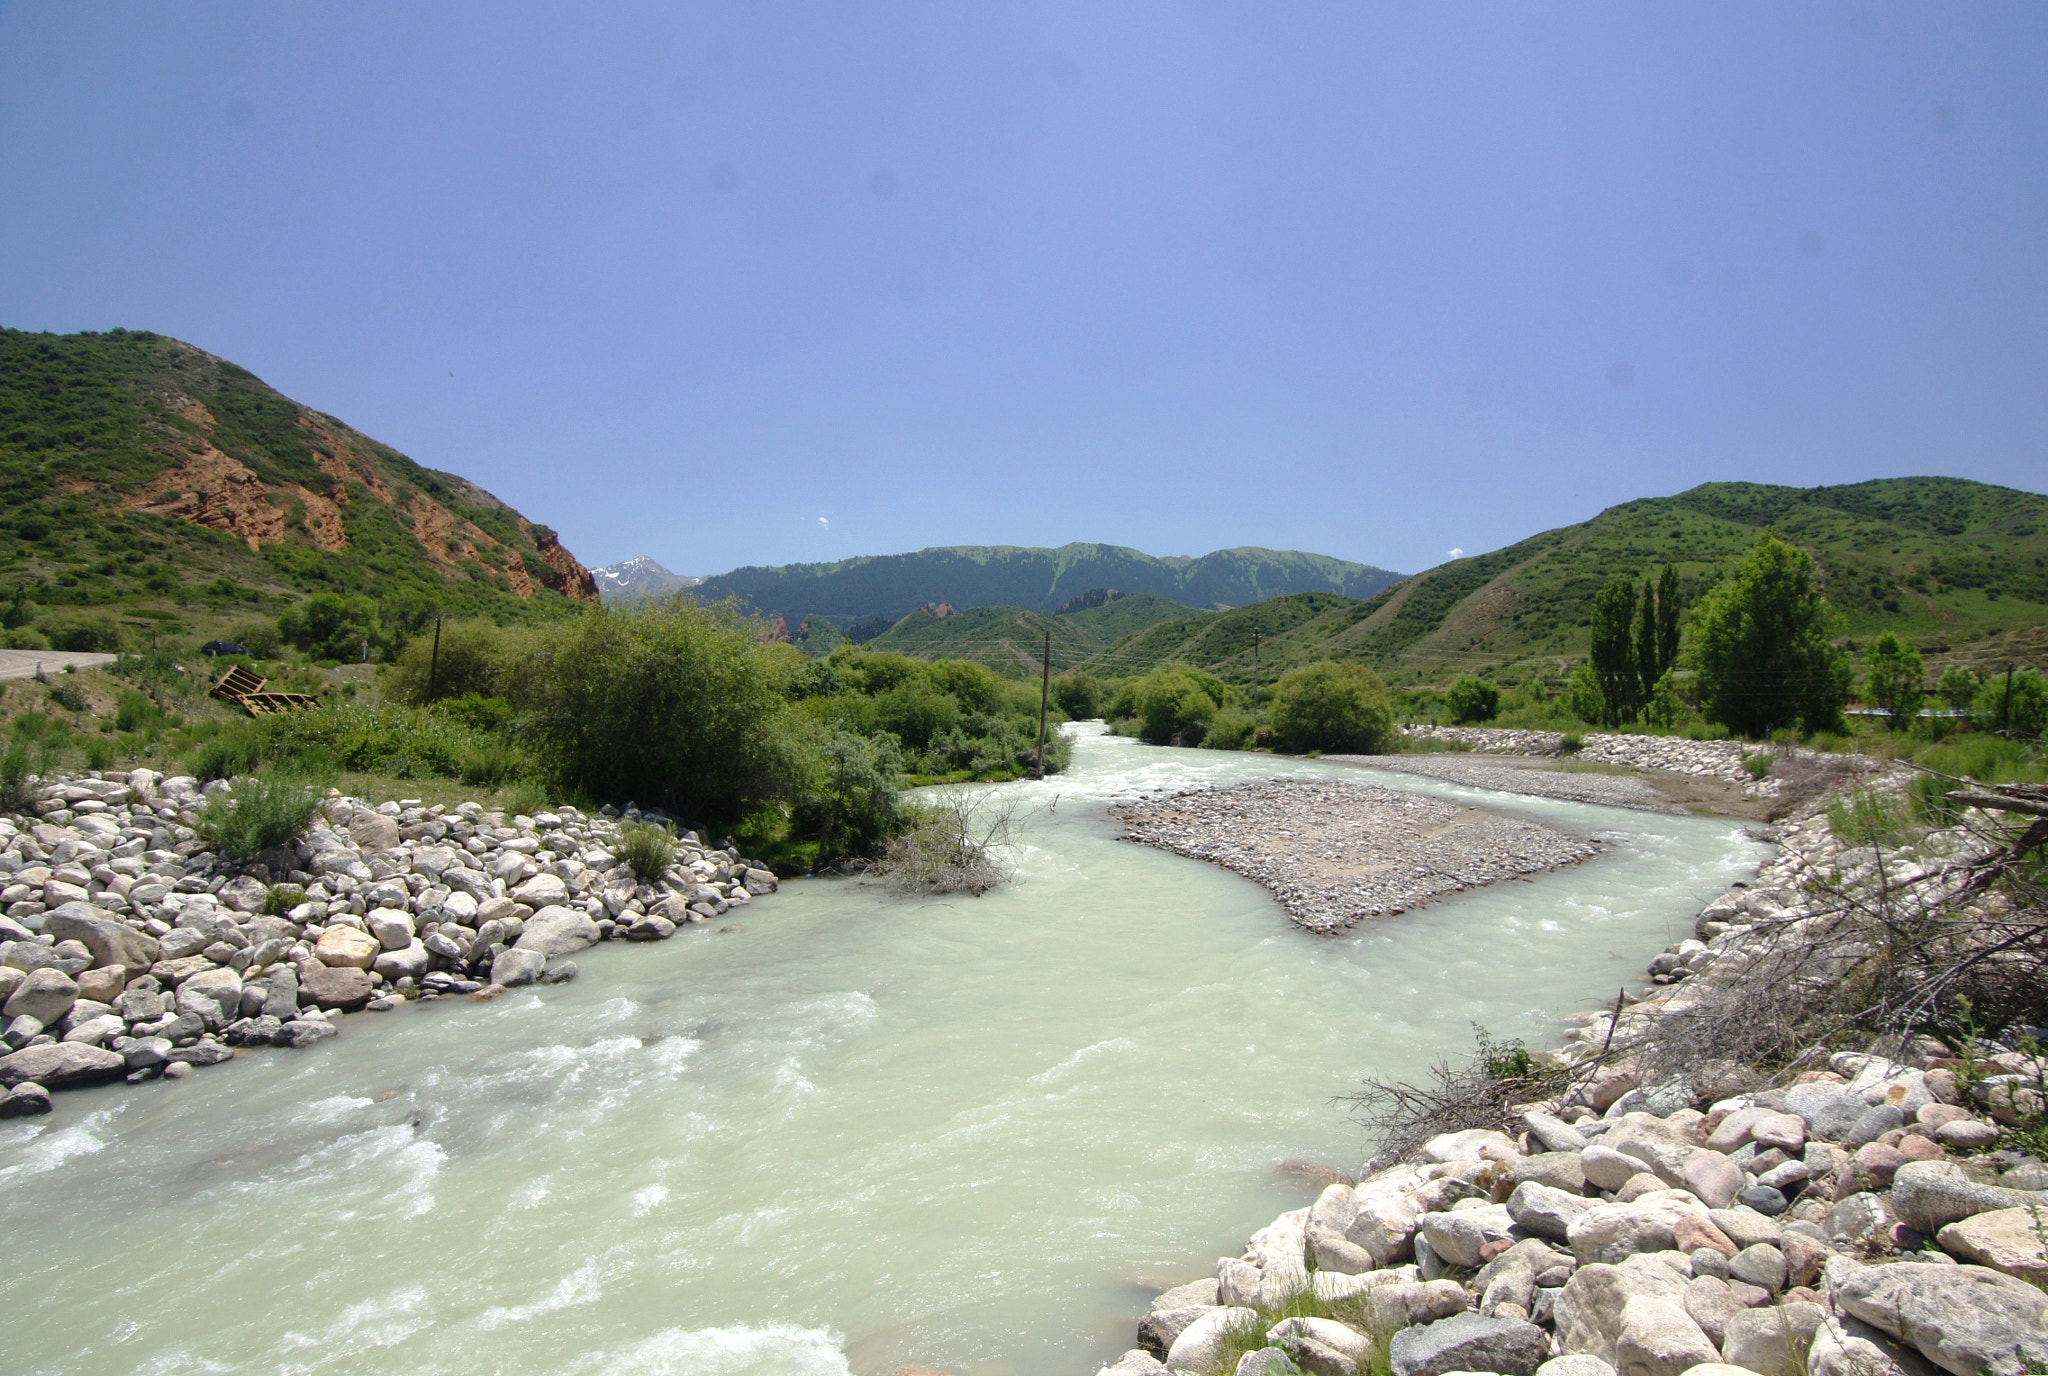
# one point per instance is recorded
(129, 950)
(1855, 1221)
(1335, 853)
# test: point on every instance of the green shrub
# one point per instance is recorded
(647, 848)
(1758, 765)
(133, 711)
(99, 753)
(23, 638)
(663, 703)
(89, 633)
(282, 898)
(468, 665)
(14, 775)
(31, 726)
(2012, 705)
(69, 696)
(257, 815)
(1571, 744)
(1333, 707)
(231, 751)
(1079, 695)
(523, 797)
(1472, 699)
(1231, 728)
(489, 764)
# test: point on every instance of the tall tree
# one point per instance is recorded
(1893, 682)
(1760, 646)
(1669, 614)
(1613, 650)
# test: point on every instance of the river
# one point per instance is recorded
(851, 1132)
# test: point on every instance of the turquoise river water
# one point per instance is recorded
(855, 1132)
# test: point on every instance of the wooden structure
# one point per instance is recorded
(244, 688)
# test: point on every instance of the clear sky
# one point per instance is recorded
(763, 282)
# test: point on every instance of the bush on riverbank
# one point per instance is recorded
(1332, 707)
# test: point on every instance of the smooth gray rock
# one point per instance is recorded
(1964, 1319)
(1544, 1211)
(1200, 1344)
(1930, 1195)
(304, 1032)
(335, 986)
(111, 941)
(61, 1064)
(1772, 1341)
(1554, 1133)
(25, 1100)
(281, 994)
(561, 972)
(1761, 1265)
(1658, 1338)
(205, 1053)
(213, 996)
(1458, 1235)
(145, 1052)
(1136, 1362)
(1850, 1347)
(1158, 1329)
(1765, 1199)
(407, 962)
(1470, 1342)
(1588, 1310)
(558, 931)
(1875, 1123)
(96, 1031)
(1575, 1364)
(515, 967)
(46, 995)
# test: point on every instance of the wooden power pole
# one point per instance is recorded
(434, 662)
(1044, 700)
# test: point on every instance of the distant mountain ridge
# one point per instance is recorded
(1958, 567)
(1033, 579)
(639, 577)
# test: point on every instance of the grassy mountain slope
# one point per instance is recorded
(1041, 580)
(1010, 639)
(1957, 566)
(143, 474)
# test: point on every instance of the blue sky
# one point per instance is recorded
(762, 282)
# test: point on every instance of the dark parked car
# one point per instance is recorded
(221, 647)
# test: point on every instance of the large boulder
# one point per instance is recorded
(1847, 1346)
(1544, 1211)
(1460, 1235)
(1930, 1195)
(334, 986)
(2014, 1241)
(558, 931)
(1658, 1338)
(515, 967)
(1613, 1232)
(46, 995)
(111, 941)
(1470, 1342)
(346, 948)
(1588, 1310)
(213, 996)
(1965, 1319)
(1283, 1259)
(60, 1064)
(1200, 1344)
(1772, 1341)
(373, 831)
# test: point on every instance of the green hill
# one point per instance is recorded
(1959, 567)
(143, 476)
(1010, 639)
(1039, 580)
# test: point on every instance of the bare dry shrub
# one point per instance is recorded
(949, 847)
(1484, 1092)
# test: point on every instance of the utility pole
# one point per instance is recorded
(1044, 701)
(2005, 708)
(1255, 671)
(434, 662)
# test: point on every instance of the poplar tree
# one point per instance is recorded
(1614, 651)
(1760, 646)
